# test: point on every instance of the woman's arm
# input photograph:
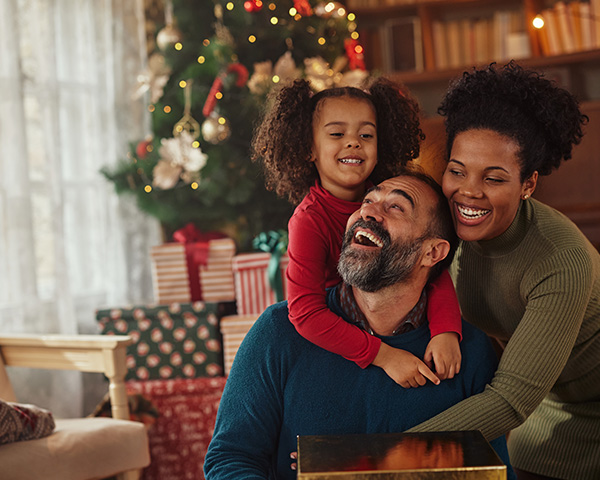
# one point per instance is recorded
(536, 353)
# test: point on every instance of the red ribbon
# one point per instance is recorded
(196, 253)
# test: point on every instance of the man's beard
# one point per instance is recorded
(372, 270)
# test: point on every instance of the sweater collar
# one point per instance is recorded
(337, 204)
(512, 236)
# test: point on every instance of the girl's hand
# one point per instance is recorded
(443, 353)
(403, 367)
(294, 456)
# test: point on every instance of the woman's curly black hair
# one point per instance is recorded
(541, 117)
(283, 141)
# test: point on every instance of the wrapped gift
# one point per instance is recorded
(179, 438)
(460, 455)
(233, 329)
(170, 341)
(253, 291)
(184, 272)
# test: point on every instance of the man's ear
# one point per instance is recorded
(436, 249)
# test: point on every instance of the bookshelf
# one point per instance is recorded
(426, 43)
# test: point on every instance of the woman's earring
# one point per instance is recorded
(526, 196)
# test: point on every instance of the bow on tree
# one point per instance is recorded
(274, 242)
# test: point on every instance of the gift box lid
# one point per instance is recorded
(398, 456)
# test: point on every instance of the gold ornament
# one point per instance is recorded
(167, 37)
(187, 122)
(215, 129)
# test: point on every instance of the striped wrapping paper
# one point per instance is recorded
(233, 329)
(252, 290)
(170, 275)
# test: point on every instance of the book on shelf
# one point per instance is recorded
(565, 31)
(403, 44)
(439, 44)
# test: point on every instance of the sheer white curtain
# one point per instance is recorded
(68, 244)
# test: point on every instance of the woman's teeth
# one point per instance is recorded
(350, 160)
(471, 212)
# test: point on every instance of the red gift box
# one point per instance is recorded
(180, 436)
(253, 292)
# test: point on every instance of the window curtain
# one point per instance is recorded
(68, 244)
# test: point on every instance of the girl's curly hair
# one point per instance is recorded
(541, 117)
(283, 141)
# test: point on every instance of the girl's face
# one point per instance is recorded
(344, 145)
(483, 184)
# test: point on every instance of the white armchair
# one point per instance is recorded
(82, 448)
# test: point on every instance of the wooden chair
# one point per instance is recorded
(82, 448)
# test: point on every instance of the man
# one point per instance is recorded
(281, 385)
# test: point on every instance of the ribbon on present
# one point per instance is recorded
(196, 253)
(274, 242)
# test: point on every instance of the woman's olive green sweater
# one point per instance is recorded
(536, 288)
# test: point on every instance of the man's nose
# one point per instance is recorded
(372, 212)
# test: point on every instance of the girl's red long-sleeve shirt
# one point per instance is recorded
(316, 230)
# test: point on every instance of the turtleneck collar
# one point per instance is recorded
(337, 204)
(512, 236)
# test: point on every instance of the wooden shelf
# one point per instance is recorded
(539, 63)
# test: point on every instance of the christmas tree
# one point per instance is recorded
(207, 79)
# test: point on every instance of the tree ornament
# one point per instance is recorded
(330, 9)
(215, 129)
(187, 122)
(142, 150)
(354, 52)
(168, 36)
(153, 79)
(252, 6)
(303, 7)
(241, 73)
(178, 158)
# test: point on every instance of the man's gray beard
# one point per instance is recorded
(370, 271)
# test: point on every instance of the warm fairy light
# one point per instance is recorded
(321, 40)
(354, 35)
(182, 84)
(297, 17)
(167, 109)
(272, 6)
(351, 17)
(178, 46)
(293, 12)
(229, 6)
(151, 108)
(149, 148)
(358, 49)
(252, 39)
(274, 20)
(195, 144)
(341, 11)
(538, 22)
(330, 7)
(201, 59)
(194, 185)
(206, 42)
(222, 121)
(218, 95)
(179, 128)
(148, 188)
(275, 78)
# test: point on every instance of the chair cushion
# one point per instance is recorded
(79, 449)
(23, 422)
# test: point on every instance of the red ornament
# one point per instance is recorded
(211, 100)
(303, 7)
(355, 54)
(252, 6)
(241, 71)
(141, 150)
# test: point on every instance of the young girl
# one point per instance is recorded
(323, 151)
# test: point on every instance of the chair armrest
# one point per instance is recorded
(84, 353)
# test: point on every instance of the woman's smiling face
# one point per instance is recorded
(483, 183)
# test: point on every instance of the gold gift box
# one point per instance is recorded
(464, 455)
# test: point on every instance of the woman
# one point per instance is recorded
(524, 273)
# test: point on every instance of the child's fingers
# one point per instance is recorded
(427, 373)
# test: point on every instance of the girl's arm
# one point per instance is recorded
(443, 314)
(309, 256)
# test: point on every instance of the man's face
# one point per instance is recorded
(384, 239)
